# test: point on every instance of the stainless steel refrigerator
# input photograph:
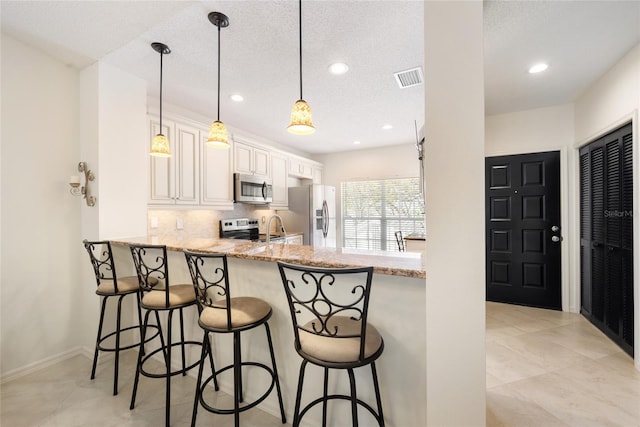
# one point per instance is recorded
(312, 210)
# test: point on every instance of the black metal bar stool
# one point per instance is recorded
(158, 296)
(109, 285)
(220, 313)
(329, 314)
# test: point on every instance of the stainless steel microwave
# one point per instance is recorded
(252, 189)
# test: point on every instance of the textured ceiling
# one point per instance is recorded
(376, 38)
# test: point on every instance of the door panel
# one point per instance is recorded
(523, 253)
(606, 234)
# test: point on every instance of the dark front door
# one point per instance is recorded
(523, 250)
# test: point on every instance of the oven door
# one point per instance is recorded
(252, 189)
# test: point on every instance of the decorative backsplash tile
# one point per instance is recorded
(200, 223)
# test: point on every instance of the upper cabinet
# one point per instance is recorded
(175, 180)
(197, 175)
(216, 187)
(300, 168)
(279, 180)
(251, 159)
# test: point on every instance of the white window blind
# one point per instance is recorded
(372, 211)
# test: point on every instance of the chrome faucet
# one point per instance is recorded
(284, 232)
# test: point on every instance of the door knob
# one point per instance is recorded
(556, 238)
(555, 228)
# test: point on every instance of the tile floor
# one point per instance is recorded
(549, 368)
(544, 368)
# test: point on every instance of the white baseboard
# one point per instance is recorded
(45, 363)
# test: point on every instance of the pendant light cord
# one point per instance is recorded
(300, 33)
(161, 55)
(218, 72)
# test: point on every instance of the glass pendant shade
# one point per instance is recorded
(301, 120)
(218, 137)
(160, 146)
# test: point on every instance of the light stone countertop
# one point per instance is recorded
(405, 264)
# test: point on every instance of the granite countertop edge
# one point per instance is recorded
(406, 264)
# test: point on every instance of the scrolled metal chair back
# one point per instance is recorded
(151, 266)
(210, 280)
(318, 296)
(102, 261)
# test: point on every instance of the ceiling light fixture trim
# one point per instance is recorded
(218, 135)
(160, 144)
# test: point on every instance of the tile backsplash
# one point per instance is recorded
(200, 223)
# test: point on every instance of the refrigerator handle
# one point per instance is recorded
(325, 218)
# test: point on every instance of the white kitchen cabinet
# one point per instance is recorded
(300, 168)
(175, 180)
(216, 172)
(317, 174)
(279, 177)
(295, 240)
(251, 160)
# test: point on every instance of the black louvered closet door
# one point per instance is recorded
(606, 235)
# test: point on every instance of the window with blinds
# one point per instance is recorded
(372, 211)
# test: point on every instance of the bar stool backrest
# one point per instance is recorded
(210, 280)
(400, 241)
(102, 261)
(318, 297)
(152, 268)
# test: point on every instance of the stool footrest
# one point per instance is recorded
(135, 344)
(244, 407)
(171, 373)
(340, 397)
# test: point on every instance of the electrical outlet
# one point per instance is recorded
(154, 222)
(179, 223)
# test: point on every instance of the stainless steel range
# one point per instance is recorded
(239, 228)
(244, 229)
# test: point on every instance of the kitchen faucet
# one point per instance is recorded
(284, 232)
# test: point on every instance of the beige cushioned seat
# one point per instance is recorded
(332, 349)
(244, 311)
(178, 295)
(125, 285)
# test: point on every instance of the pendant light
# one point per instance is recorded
(218, 137)
(160, 143)
(301, 121)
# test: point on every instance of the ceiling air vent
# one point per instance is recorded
(408, 78)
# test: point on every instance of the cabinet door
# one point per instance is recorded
(317, 175)
(243, 158)
(279, 180)
(217, 181)
(294, 240)
(187, 151)
(261, 162)
(161, 169)
(299, 168)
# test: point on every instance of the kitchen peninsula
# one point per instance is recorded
(397, 309)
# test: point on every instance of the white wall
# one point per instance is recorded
(399, 161)
(613, 100)
(123, 153)
(40, 232)
(539, 130)
(454, 151)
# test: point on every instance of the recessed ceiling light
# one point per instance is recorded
(356, 142)
(387, 127)
(538, 68)
(338, 68)
(237, 98)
